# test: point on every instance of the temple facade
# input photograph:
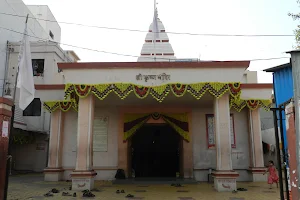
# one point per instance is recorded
(184, 120)
(198, 116)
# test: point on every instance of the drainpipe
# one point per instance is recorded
(295, 61)
(6, 67)
(281, 112)
(278, 152)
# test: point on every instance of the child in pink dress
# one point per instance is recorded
(273, 177)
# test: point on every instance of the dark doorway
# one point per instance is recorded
(156, 151)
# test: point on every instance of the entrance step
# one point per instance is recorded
(154, 181)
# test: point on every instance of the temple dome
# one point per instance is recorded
(161, 50)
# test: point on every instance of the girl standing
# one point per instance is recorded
(273, 177)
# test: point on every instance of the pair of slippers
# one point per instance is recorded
(87, 193)
(129, 196)
(49, 194)
(68, 194)
(118, 191)
(176, 185)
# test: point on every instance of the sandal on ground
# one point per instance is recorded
(48, 195)
(88, 194)
(122, 191)
(118, 191)
(74, 194)
(242, 189)
(234, 191)
(178, 185)
(84, 191)
(70, 188)
(129, 196)
(54, 190)
(66, 194)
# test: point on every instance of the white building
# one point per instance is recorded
(31, 126)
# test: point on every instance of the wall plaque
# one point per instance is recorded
(100, 136)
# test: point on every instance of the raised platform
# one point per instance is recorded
(154, 181)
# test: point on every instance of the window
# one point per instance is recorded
(51, 35)
(38, 67)
(210, 131)
(34, 108)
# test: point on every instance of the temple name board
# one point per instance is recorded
(162, 77)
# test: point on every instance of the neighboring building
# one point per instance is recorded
(268, 136)
(31, 126)
(283, 90)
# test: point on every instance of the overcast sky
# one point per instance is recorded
(188, 16)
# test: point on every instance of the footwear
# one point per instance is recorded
(84, 191)
(234, 191)
(70, 188)
(242, 189)
(54, 190)
(74, 195)
(118, 191)
(48, 194)
(88, 194)
(66, 194)
(129, 196)
(178, 185)
(122, 191)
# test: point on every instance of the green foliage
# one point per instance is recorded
(297, 30)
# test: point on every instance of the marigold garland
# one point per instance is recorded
(160, 92)
(64, 106)
(252, 104)
(122, 90)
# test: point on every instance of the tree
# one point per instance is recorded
(297, 30)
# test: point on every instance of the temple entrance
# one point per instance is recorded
(156, 151)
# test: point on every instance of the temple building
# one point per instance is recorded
(188, 120)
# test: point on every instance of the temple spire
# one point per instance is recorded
(156, 46)
(155, 28)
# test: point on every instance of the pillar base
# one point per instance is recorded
(257, 174)
(225, 181)
(53, 174)
(83, 180)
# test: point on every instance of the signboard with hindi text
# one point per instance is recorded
(100, 134)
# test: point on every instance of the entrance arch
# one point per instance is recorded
(156, 151)
(124, 152)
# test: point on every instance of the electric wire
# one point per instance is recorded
(169, 32)
(126, 55)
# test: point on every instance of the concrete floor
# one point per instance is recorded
(32, 186)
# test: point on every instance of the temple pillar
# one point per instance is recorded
(257, 167)
(224, 176)
(5, 120)
(83, 175)
(54, 171)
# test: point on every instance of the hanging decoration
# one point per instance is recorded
(252, 104)
(64, 106)
(197, 90)
(75, 91)
(179, 122)
(132, 122)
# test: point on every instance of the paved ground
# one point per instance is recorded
(33, 187)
